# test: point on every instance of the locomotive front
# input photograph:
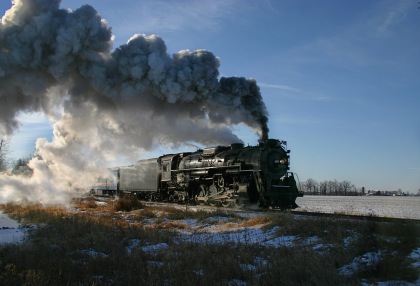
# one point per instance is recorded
(279, 189)
(273, 159)
(270, 181)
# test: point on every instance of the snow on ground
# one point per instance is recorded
(10, 230)
(92, 253)
(369, 259)
(240, 235)
(219, 230)
(155, 247)
(415, 255)
(382, 206)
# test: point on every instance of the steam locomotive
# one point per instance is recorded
(222, 176)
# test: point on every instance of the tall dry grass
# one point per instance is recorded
(94, 244)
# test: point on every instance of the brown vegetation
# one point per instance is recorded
(93, 244)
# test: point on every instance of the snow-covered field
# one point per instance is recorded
(381, 206)
(10, 230)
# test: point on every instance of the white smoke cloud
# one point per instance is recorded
(107, 104)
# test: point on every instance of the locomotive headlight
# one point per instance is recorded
(276, 161)
(282, 161)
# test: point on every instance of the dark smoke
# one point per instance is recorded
(108, 103)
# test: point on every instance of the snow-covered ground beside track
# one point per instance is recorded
(10, 230)
(381, 206)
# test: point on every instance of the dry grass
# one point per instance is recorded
(259, 220)
(169, 225)
(33, 213)
(96, 245)
(86, 203)
(128, 204)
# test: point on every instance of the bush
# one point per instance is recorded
(128, 204)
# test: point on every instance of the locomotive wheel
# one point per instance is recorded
(239, 203)
(202, 192)
(220, 182)
(225, 203)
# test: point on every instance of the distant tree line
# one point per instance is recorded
(343, 188)
(331, 188)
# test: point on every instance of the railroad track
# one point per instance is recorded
(256, 209)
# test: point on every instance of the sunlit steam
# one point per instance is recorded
(105, 103)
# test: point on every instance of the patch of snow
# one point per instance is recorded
(100, 203)
(155, 247)
(216, 219)
(277, 242)
(154, 263)
(242, 235)
(93, 253)
(260, 261)
(148, 221)
(392, 283)
(273, 231)
(348, 240)
(249, 267)
(354, 237)
(257, 263)
(247, 214)
(132, 244)
(415, 255)
(311, 240)
(322, 248)
(366, 260)
(237, 282)
(318, 246)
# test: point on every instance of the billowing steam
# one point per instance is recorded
(107, 103)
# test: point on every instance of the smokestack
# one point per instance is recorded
(108, 104)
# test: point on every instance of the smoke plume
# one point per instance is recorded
(107, 103)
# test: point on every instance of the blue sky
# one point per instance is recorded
(341, 79)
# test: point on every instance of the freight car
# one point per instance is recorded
(222, 175)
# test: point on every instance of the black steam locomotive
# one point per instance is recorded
(222, 175)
